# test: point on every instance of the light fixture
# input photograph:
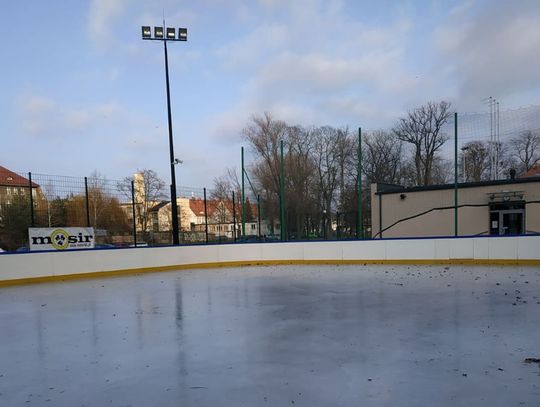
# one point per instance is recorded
(170, 33)
(182, 34)
(158, 32)
(146, 31)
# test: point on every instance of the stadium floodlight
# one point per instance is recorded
(182, 34)
(146, 31)
(170, 35)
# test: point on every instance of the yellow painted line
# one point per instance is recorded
(245, 263)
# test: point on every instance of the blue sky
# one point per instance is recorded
(82, 92)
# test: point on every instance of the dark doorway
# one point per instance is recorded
(507, 218)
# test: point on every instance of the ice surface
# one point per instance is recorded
(276, 336)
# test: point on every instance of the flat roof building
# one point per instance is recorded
(503, 207)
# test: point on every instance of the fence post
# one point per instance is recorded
(32, 219)
(87, 202)
(243, 199)
(380, 215)
(133, 213)
(282, 194)
(205, 216)
(455, 175)
(360, 224)
(234, 216)
(259, 214)
(337, 225)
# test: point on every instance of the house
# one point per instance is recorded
(153, 216)
(13, 184)
(533, 172)
(502, 207)
(219, 218)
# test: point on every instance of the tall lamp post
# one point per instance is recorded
(165, 35)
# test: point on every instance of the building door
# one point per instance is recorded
(507, 219)
(512, 223)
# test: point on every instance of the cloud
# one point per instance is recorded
(101, 16)
(492, 51)
(44, 117)
(309, 54)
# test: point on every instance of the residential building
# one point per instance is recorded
(13, 184)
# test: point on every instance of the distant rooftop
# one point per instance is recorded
(11, 179)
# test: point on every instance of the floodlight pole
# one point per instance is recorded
(174, 207)
(165, 37)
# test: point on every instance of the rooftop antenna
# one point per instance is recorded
(492, 148)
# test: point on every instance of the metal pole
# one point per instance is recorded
(380, 215)
(324, 224)
(243, 199)
(234, 216)
(133, 212)
(87, 202)
(205, 216)
(455, 174)
(281, 194)
(259, 214)
(360, 223)
(337, 225)
(497, 131)
(491, 169)
(32, 219)
(174, 207)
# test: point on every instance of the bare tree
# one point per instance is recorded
(221, 194)
(525, 148)
(326, 156)
(422, 128)
(97, 200)
(264, 135)
(382, 157)
(442, 171)
(300, 171)
(474, 160)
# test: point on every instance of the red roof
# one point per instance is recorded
(197, 206)
(533, 172)
(11, 179)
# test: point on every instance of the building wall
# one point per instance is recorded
(472, 220)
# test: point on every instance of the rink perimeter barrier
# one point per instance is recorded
(47, 266)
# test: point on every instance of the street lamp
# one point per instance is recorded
(169, 36)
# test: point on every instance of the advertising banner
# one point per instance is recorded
(61, 238)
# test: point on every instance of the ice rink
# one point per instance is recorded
(276, 336)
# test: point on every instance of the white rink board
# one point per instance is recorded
(32, 265)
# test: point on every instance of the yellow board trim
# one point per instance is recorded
(245, 263)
